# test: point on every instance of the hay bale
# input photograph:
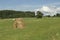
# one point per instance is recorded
(18, 23)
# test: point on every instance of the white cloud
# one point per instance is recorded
(45, 8)
(48, 10)
(58, 9)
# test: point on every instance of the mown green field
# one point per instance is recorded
(35, 29)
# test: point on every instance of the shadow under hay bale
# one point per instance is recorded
(18, 23)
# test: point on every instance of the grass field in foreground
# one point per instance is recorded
(35, 29)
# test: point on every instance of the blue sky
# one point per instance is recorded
(23, 5)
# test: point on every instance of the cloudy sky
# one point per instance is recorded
(23, 5)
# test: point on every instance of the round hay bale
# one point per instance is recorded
(18, 23)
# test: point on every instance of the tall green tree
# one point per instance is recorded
(58, 15)
(39, 14)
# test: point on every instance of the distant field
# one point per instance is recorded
(35, 29)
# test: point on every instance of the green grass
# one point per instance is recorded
(35, 29)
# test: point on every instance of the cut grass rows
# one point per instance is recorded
(35, 29)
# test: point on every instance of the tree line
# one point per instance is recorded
(18, 14)
(15, 14)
